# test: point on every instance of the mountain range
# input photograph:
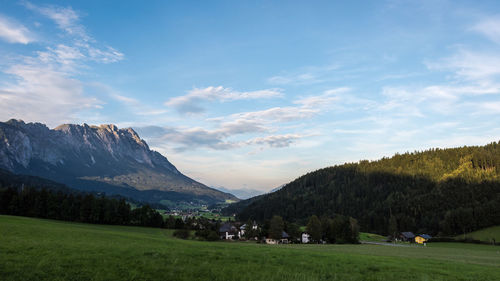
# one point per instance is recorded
(241, 193)
(99, 158)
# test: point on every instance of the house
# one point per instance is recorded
(407, 236)
(241, 232)
(305, 238)
(283, 240)
(271, 241)
(227, 231)
(422, 238)
(254, 225)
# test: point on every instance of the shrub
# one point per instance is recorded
(181, 233)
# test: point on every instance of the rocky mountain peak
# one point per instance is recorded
(95, 155)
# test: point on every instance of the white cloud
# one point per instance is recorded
(43, 94)
(45, 87)
(325, 99)
(307, 75)
(490, 28)
(68, 20)
(276, 140)
(277, 114)
(13, 32)
(470, 65)
(190, 103)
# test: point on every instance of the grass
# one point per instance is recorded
(371, 237)
(35, 249)
(486, 235)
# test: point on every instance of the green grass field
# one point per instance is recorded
(371, 237)
(486, 235)
(35, 249)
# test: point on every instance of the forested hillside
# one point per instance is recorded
(440, 190)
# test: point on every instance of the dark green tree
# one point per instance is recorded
(276, 227)
(313, 228)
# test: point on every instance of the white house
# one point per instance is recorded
(241, 232)
(227, 231)
(271, 241)
(305, 238)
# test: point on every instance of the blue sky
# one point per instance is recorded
(254, 94)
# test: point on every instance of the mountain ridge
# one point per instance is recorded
(435, 191)
(99, 158)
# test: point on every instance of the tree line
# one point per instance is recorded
(439, 191)
(62, 204)
(87, 208)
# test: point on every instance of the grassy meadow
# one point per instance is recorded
(36, 249)
(371, 237)
(486, 235)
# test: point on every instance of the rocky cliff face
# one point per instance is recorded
(102, 158)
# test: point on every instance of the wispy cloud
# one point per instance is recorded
(191, 102)
(43, 94)
(490, 28)
(263, 123)
(325, 99)
(307, 75)
(68, 20)
(470, 65)
(45, 86)
(13, 32)
(276, 140)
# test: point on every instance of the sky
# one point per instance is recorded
(253, 94)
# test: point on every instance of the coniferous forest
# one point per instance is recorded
(438, 191)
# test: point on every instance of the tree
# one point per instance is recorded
(293, 231)
(393, 227)
(314, 228)
(354, 227)
(276, 227)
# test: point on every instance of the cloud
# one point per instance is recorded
(276, 140)
(68, 20)
(264, 122)
(434, 99)
(325, 99)
(190, 103)
(192, 138)
(41, 93)
(65, 17)
(13, 32)
(45, 86)
(490, 28)
(307, 75)
(470, 65)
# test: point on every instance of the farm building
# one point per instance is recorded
(305, 238)
(422, 238)
(407, 236)
(228, 231)
(283, 240)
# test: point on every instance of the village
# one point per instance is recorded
(233, 231)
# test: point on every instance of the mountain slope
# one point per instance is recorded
(98, 158)
(440, 190)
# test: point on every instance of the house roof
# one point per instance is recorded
(408, 234)
(425, 236)
(284, 235)
(227, 227)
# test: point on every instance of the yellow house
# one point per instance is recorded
(421, 239)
